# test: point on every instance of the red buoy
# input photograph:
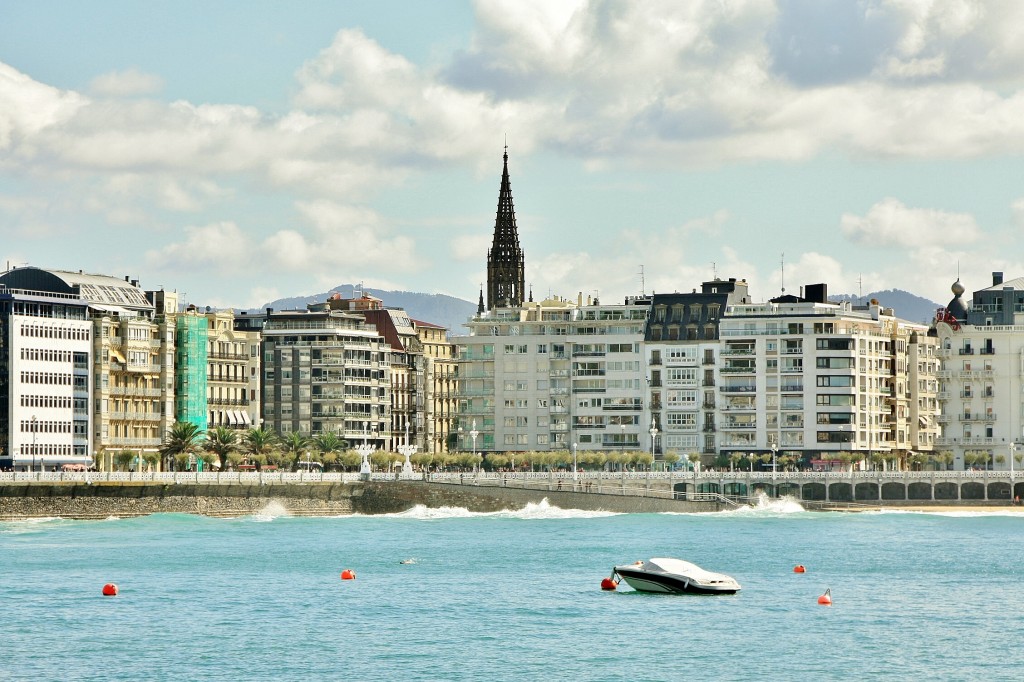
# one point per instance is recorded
(110, 590)
(348, 574)
(799, 569)
(608, 584)
(826, 599)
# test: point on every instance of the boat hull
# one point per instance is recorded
(669, 576)
(669, 584)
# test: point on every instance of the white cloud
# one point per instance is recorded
(126, 83)
(470, 247)
(890, 223)
(1017, 209)
(222, 245)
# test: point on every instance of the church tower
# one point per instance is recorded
(505, 270)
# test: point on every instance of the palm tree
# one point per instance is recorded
(294, 444)
(259, 442)
(329, 445)
(185, 438)
(221, 441)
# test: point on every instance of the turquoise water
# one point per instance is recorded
(512, 596)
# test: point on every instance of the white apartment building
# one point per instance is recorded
(545, 376)
(815, 379)
(682, 350)
(45, 356)
(981, 347)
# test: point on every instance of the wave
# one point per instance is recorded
(273, 510)
(542, 510)
(762, 505)
(769, 506)
(953, 513)
(28, 525)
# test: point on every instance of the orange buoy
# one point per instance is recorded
(799, 569)
(348, 574)
(110, 590)
(826, 599)
(608, 584)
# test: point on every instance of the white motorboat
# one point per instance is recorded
(674, 576)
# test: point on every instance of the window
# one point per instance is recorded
(835, 381)
(681, 420)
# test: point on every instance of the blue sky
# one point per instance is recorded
(244, 151)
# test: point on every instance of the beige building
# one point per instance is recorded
(436, 399)
(815, 379)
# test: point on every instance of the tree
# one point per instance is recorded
(328, 442)
(329, 445)
(221, 441)
(124, 458)
(259, 440)
(423, 460)
(734, 459)
(670, 459)
(694, 458)
(917, 460)
(293, 445)
(185, 438)
(877, 459)
(944, 457)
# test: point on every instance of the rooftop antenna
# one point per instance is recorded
(714, 270)
(643, 285)
(782, 264)
(860, 287)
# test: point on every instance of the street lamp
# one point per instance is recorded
(654, 436)
(622, 425)
(775, 450)
(575, 477)
(1013, 449)
(364, 451)
(35, 426)
(407, 451)
(473, 433)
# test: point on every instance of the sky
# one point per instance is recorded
(240, 152)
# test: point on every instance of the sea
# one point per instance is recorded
(446, 594)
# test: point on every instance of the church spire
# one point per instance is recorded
(505, 269)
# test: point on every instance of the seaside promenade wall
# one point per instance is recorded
(97, 500)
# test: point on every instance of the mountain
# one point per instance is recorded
(446, 311)
(905, 305)
(452, 312)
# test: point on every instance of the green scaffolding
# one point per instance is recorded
(190, 370)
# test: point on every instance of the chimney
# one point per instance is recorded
(997, 278)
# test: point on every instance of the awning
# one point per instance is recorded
(231, 416)
(245, 418)
(110, 308)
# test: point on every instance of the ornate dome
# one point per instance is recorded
(957, 308)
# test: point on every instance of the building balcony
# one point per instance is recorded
(737, 389)
(988, 417)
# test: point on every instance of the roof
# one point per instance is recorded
(1017, 283)
(96, 289)
(429, 325)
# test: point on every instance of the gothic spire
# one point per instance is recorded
(505, 269)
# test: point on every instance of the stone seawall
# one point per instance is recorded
(102, 500)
